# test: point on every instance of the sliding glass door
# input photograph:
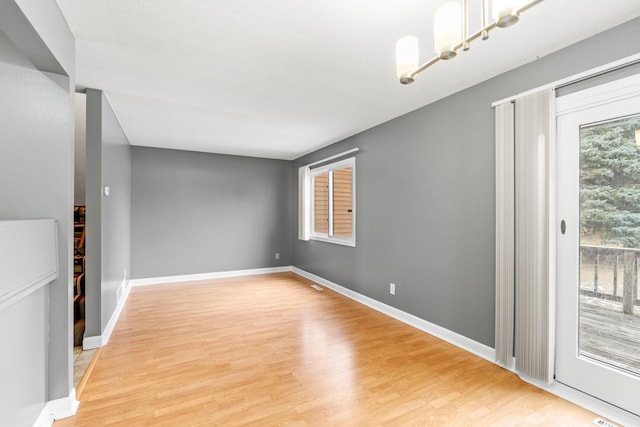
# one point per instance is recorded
(598, 309)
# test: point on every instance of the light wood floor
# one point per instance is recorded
(271, 351)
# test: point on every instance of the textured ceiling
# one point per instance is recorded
(282, 78)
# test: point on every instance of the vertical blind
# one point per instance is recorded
(504, 233)
(532, 254)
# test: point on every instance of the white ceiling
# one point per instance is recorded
(279, 79)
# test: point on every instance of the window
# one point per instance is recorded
(332, 202)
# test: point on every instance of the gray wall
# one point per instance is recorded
(108, 217)
(36, 166)
(23, 360)
(39, 31)
(201, 213)
(80, 150)
(425, 197)
(93, 217)
(116, 210)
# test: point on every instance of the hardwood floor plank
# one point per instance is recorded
(271, 351)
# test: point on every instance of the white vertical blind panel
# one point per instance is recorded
(504, 123)
(534, 236)
(304, 203)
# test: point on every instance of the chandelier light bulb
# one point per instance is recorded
(407, 58)
(447, 29)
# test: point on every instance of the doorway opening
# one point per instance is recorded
(81, 357)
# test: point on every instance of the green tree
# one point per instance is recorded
(610, 182)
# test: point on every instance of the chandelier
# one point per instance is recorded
(451, 33)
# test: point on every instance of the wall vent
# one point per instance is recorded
(602, 423)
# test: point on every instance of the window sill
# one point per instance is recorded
(335, 240)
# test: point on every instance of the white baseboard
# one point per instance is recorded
(91, 342)
(207, 276)
(65, 407)
(454, 338)
(45, 419)
(106, 335)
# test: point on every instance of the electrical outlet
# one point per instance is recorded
(277, 255)
(392, 288)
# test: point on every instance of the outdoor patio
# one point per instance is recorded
(609, 306)
(606, 334)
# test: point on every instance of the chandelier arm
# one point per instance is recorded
(528, 6)
(482, 33)
(424, 66)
